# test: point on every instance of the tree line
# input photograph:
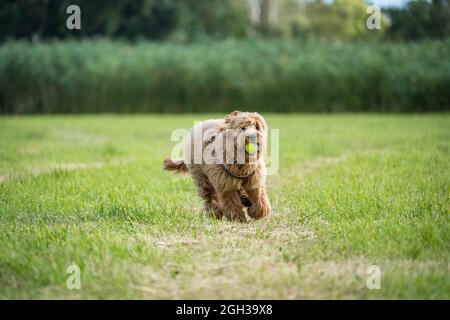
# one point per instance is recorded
(191, 20)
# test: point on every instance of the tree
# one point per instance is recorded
(264, 15)
(215, 19)
(130, 19)
(340, 19)
(420, 19)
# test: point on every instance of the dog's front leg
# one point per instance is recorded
(231, 206)
(260, 207)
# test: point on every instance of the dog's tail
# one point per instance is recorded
(176, 166)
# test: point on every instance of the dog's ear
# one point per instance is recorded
(231, 115)
(234, 113)
(261, 120)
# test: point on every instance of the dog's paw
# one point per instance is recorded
(214, 211)
(240, 217)
(259, 211)
(235, 215)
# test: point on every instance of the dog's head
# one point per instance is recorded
(249, 130)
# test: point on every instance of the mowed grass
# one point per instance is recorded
(352, 191)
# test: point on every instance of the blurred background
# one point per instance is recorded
(221, 55)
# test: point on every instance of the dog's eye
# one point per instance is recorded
(257, 127)
(243, 128)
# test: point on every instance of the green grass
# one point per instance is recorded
(352, 191)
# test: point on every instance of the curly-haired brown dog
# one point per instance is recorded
(225, 159)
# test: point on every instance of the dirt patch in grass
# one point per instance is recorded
(59, 167)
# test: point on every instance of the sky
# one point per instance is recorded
(388, 3)
(384, 3)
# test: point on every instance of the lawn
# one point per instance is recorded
(352, 191)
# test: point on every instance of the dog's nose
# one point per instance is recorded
(252, 137)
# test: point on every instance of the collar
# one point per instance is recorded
(235, 175)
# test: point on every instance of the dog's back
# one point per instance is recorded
(200, 133)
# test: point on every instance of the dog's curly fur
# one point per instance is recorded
(228, 189)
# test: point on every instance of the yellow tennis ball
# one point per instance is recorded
(251, 148)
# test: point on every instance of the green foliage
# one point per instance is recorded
(420, 19)
(192, 20)
(204, 19)
(136, 19)
(103, 76)
(338, 20)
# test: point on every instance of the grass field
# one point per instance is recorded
(352, 191)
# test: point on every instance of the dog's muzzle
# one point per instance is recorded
(251, 144)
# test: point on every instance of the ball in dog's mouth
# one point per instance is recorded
(251, 148)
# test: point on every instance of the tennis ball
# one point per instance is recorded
(251, 148)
